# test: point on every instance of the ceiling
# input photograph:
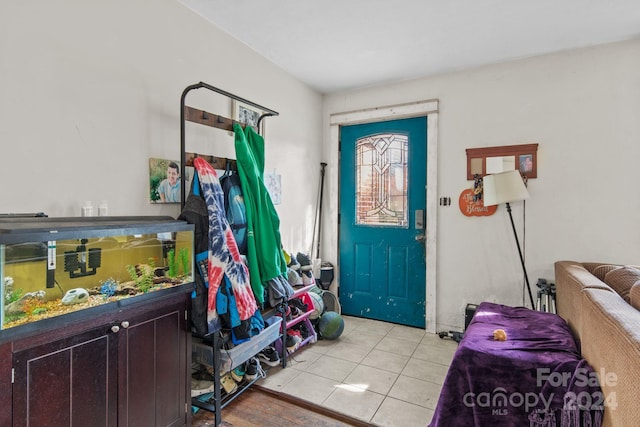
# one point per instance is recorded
(335, 45)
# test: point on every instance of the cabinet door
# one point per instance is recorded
(6, 387)
(153, 376)
(68, 382)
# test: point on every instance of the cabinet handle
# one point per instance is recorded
(115, 328)
(124, 324)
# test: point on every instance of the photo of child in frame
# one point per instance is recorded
(164, 181)
(526, 163)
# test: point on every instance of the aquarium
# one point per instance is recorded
(55, 266)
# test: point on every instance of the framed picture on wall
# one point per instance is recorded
(246, 114)
(164, 181)
(526, 163)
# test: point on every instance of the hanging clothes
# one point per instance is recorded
(223, 255)
(267, 265)
(195, 212)
(241, 330)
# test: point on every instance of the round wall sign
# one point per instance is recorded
(469, 207)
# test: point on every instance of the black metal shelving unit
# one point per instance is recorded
(202, 117)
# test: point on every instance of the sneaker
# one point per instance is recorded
(293, 263)
(307, 278)
(238, 373)
(304, 330)
(293, 342)
(200, 387)
(296, 302)
(295, 312)
(252, 369)
(293, 277)
(305, 262)
(270, 356)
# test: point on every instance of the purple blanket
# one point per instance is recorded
(535, 378)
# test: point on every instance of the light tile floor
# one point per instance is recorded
(384, 374)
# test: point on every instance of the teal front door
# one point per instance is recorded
(382, 220)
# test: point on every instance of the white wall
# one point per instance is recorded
(89, 91)
(582, 108)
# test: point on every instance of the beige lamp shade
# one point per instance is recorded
(503, 187)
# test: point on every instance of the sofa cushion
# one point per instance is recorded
(622, 280)
(591, 265)
(601, 270)
(634, 296)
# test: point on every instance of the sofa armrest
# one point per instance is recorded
(611, 345)
(571, 279)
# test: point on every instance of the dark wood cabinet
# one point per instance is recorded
(67, 382)
(153, 373)
(126, 368)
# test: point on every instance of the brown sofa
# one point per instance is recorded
(601, 304)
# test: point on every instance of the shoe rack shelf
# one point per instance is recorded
(229, 359)
(281, 346)
(298, 294)
(310, 339)
(290, 324)
(224, 361)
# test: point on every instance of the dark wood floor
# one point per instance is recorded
(259, 407)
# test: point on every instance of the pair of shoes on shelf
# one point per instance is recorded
(297, 302)
(253, 369)
(307, 277)
(295, 313)
(293, 343)
(269, 356)
(294, 278)
(200, 387)
(228, 384)
(229, 381)
(292, 312)
(292, 262)
(304, 261)
(238, 373)
(302, 329)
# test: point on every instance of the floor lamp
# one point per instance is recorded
(506, 187)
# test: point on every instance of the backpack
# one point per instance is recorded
(235, 209)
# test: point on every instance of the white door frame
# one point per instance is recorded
(427, 108)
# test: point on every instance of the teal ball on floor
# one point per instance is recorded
(331, 325)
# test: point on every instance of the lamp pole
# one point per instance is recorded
(526, 277)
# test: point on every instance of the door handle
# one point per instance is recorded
(421, 237)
